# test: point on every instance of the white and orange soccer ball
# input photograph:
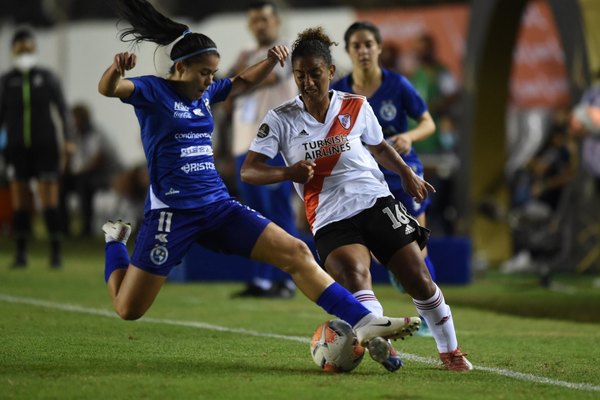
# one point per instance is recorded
(335, 348)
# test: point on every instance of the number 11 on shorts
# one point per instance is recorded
(164, 221)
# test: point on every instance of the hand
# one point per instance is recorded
(537, 188)
(415, 186)
(302, 172)
(401, 143)
(278, 53)
(124, 62)
(69, 148)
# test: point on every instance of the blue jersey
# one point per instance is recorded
(393, 103)
(176, 135)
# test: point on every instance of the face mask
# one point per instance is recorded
(24, 62)
(447, 140)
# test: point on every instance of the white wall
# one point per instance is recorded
(80, 52)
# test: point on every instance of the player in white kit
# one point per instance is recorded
(331, 142)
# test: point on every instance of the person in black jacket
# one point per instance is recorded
(28, 96)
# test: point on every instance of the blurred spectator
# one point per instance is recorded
(438, 87)
(91, 168)
(29, 94)
(389, 58)
(131, 189)
(538, 197)
(585, 125)
(273, 201)
(5, 202)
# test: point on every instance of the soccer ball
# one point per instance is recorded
(334, 347)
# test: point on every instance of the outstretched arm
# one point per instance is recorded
(255, 74)
(256, 171)
(111, 84)
(390, 159)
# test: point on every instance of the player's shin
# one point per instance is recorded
(439, 318)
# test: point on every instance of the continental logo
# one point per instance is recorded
(189, 136)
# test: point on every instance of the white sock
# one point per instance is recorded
(367, 298)
(439, 318)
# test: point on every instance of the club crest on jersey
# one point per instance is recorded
(159, 254)
(207, 105)
(263, 131)
(388, 110)
(345, 120)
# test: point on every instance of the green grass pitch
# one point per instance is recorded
(59, 339)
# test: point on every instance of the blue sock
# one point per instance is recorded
(339, 302)
(116, 258)
(430, 267)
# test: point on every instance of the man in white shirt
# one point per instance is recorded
(273, 201)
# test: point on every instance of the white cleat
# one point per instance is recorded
(116, 231)
(387, 328)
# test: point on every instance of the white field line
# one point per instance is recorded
(202, 325)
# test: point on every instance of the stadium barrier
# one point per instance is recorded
(450, 255)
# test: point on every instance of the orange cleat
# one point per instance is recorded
(456, 361)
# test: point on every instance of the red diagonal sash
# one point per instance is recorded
(324, 166)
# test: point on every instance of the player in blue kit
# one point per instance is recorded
(187, 200)
(394, 100)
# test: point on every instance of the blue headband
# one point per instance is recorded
(195, 53)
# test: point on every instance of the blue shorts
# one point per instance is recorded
(166, 234)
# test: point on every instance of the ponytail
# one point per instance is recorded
(149, 25)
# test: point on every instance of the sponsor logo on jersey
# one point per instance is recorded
(263, 131)
(182, 114)
(193, 151)
(388, 110)
(189, 136)
(159, 254)
(181, 111)
(179, 106)
(161, 237)
(171, 192)
(198, 112)
(330, 146)
(303, 133)
(345, 120)
(195, 167)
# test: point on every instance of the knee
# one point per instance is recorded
(356, 277)
(128, 313)
(422, 288)
(297, 255)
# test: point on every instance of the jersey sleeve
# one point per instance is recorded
(144, 92)
(268, 137)
(372, 134)
(412, 102)
(219, 90)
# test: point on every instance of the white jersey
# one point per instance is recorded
(250, 108)
(347, 178)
